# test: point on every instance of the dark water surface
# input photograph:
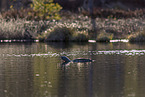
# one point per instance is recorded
(36, 70)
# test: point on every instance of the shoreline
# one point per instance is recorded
(18, 41)
(37, 41)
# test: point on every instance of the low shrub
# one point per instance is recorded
(80, 37)
(138, 37)
(104, 37)
(63, 34)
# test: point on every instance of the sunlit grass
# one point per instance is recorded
(17, 29)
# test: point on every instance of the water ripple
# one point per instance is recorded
(84, 53)
(51, 54)
(125, 52)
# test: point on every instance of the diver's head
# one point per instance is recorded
(66, 59)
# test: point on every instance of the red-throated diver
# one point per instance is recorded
(66, 59)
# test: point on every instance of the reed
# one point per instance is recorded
(20, 29)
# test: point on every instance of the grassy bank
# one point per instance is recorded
(70, 28)
(20, 29)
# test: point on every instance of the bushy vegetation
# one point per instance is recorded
(34, 14)
(116, 13)
(79, 25)
(43, 30)
(137, 37)
(46, 9)
(72, 26)
(27, 23)
(40, 10)
(104, 37)
(63, 34)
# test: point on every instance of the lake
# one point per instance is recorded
(36, 70)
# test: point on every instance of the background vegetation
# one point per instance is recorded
(47, 21)
(46, 9)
